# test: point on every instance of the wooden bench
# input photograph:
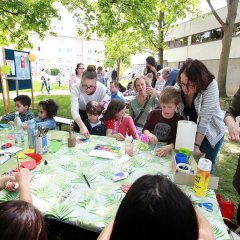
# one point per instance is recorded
(61, 120)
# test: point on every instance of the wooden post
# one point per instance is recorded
(32, 96)
(3, 94)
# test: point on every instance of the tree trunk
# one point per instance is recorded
(160, 56)
(223, 63)
(226, 46)
(118, 68)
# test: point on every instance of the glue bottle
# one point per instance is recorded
(202, 177)
(18, 131)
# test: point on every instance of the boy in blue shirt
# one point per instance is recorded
(22, 104)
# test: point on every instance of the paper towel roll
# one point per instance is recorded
(186, 133)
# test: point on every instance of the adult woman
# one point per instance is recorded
(151, 209)
(200, 104)
(78, 75)
(89, 89)
(152, 67)
(140, 106)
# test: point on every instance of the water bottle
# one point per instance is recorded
(202, 177)
(18, 131)
(30, 131)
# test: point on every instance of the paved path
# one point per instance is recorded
(54, 92)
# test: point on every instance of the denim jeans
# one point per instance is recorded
(210, 152)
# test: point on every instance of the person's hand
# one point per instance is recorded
(153, 69)
(152, 138)
(119, 137)
(164, 150)
(234, 133)
(152, 91)
(24, 176)
(4, 180)
(145, 71)
(196, 149)
(84, 131)
(24, 126)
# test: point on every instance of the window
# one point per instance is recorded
(59, 50)
(207, 36)
(89, 51)
(69, 50)
(237, 29)
(181, 42)
(59, 59)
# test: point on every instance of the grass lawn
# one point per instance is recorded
(225, 165)
(53, 86)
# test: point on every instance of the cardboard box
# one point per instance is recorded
(188, 179)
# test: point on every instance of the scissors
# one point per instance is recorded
(207, 205)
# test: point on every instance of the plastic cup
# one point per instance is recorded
(129, 148)
(180, 157)
(183, 168)
(185, 151)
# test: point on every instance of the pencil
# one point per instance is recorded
(86, 181)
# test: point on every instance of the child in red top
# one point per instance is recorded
(117, 124)
(161, 124)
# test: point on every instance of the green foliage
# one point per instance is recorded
(144, 24)
(19, 17)
(54, 71)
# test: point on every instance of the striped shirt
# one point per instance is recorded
(210, 115)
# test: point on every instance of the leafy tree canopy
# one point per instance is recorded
(18, 17)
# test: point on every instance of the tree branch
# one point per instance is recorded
(8, 11)
(223, 24)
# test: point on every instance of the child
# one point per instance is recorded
(130, 91)
(161, 124)
(22, 104)
(46, 111)
(117, 124)
(160, 81)
(93, 124)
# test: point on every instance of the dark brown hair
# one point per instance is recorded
(94, 108)
(170, 95)
(50, 107)
(90, 73)
(25, 100)
(114, 107)
(21, 220)
(197, 73)
(115, 83)
(78, 65)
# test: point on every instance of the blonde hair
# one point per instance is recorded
(140, 77)
(170, 95)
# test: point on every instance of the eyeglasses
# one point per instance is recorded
(86, 87)
(186, 85)
(81, 68)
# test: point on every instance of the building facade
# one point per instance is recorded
(201, 39)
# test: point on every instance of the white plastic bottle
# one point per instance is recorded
(18, 130)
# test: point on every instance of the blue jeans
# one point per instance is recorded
(210, 152)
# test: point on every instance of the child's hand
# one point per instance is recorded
(24, 176)
(152, 138)
(11, 186)
(24, 126)
(163, 151)
(119, 137)
(4, 180)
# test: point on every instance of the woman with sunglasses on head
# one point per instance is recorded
(89, 89)
(200, 104)
(78, 75)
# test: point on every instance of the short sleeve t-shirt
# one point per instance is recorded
(111, 124)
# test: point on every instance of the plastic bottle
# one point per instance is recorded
(30, 131)
(202, 177)
(18, 131)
